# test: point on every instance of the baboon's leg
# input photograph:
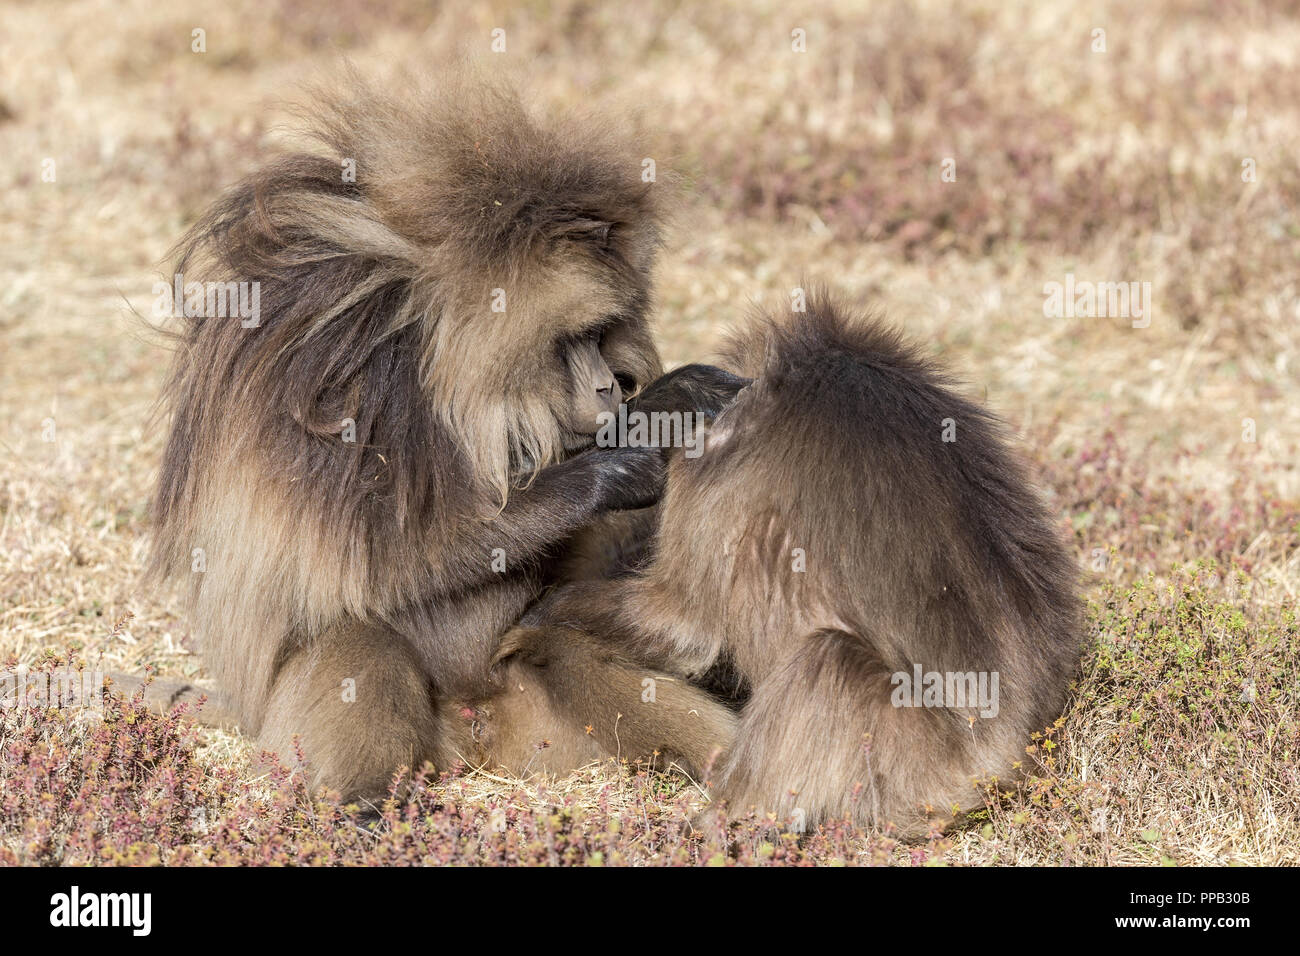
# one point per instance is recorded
(519, 730)
(820, 739)
(161, 696)
(363, 707)
(561, 685)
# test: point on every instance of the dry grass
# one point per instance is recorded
(821, 166)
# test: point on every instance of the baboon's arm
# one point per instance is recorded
(569, 495)
(566, 496)
(623, 613)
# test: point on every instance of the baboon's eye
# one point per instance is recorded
(595, 231)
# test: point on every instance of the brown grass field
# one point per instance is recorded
(1168, 451)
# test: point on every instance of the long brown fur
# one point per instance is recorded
(310, 561)
(914, 551)
(563, 699)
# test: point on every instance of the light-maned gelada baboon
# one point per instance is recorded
(361, 492)
(852, 523)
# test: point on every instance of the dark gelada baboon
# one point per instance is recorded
(859, 547)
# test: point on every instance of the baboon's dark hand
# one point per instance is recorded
(628, 477)
(704, 389)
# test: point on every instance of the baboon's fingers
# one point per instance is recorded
(629, 478)
(705, 389)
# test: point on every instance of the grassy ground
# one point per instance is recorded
(1169, 451)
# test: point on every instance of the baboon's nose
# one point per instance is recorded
(609, 394)
(599, 395)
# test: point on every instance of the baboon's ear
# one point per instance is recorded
(773, 368)
(586, 230)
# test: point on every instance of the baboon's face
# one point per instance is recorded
(526, 354)
(588, 298)
(594, 390)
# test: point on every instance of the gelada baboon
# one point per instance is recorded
(361, 486)
(860, 547)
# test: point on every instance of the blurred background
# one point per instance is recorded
(939, 162)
